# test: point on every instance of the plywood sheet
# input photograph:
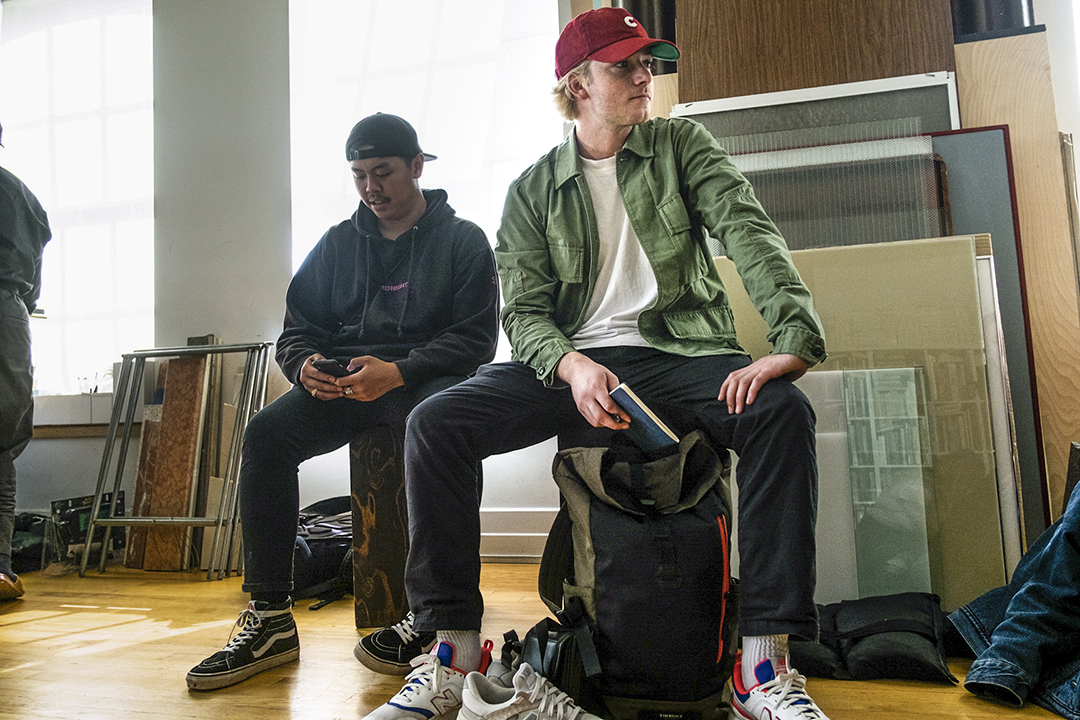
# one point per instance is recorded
(176, 460)
(1006, 81)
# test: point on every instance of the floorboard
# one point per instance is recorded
(117, 645)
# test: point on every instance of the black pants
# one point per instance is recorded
(16, 403)
(294, 428)
(504, 407)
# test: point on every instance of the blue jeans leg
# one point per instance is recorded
(1027, 634)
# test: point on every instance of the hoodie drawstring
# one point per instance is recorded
(367, 286)
(408, 277)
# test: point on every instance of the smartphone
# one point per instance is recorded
(332, 367)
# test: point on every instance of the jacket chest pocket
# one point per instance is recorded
(567, 260)
(682, 253)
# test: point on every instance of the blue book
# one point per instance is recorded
(646, 430)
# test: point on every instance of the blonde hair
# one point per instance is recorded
(565, 102)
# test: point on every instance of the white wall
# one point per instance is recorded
(1060, 21)
(57, 469)
(223, 254)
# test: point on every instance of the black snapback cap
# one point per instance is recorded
(383, 135)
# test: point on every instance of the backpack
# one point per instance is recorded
(322, 557)
(642, 543)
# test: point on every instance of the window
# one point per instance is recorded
(473, 78)
(76, 84)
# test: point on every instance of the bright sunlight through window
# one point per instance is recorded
(473, 78)
(76, 103)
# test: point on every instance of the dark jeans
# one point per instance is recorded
(1027, 634)
(504, 407)
(294, 428)
(16, 403)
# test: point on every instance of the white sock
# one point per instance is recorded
(466, 645)
(758, 648)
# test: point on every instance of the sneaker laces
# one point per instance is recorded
(789, 690)
(552, 701)
(404, 629)
(427, 672)
(249, 621)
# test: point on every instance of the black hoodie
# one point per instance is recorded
(427, 301)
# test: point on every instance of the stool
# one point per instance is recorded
(380, 525)
(380, 522)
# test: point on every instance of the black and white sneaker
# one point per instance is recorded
(390, 651)
(267, 638)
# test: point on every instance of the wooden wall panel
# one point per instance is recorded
(732, 48)
(1006, 81)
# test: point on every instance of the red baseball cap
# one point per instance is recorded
(607, 35)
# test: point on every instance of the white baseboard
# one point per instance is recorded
(514, 535)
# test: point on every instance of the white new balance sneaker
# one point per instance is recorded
(531, 697)
(432, 690)
(779, 695)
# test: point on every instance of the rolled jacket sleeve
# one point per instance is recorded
(724, 201)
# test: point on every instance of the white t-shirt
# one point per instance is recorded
(625, 284)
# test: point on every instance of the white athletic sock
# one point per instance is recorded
(466, 648)
(757, 648)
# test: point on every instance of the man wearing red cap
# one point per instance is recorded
(606, 278)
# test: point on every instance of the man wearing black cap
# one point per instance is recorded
(403, 296)
(607, 277)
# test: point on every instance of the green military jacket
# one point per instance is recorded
(677, 184)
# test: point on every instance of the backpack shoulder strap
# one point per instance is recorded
(557, 562)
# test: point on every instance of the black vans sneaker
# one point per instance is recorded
(267, 639)
(390, 651)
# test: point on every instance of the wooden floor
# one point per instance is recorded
(118, 645)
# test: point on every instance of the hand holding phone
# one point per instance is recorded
(332, 367)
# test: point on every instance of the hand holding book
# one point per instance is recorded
(646, 429)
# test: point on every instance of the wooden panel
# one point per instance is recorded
(380, 526)
(176, 457)
(144, 485)
(745, 47)
(665, 94)
(54, 432)
(1006, 81)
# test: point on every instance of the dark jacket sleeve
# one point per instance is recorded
(469, 339)
(309, 324)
